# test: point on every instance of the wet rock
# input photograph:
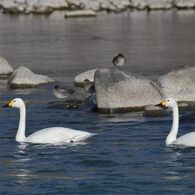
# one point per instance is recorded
(5, 68)
(80, 13)
(25, 78)
(154, 111)
(79, 100)
(79, 79)
(118, 91)
(179, 84)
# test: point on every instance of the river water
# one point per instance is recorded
(128, 156)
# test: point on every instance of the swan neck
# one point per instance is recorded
(175, 126)
(20, 136)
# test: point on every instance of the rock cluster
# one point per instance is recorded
(48, 6)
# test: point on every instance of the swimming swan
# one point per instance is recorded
(48, 135)
(185, 140)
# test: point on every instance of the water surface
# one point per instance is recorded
(128, 156)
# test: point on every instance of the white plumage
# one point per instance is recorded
(185, 140)
(51, 135)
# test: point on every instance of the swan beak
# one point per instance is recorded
(10, 104)
(163, 104)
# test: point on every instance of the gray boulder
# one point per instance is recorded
(179, 84)
(118, 91)
(25, 78)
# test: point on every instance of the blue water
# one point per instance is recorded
(128, 156)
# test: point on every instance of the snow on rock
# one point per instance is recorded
(118, 91)
(80, 13)
(179, 84)
(5, 68)
(79, 79)
(25, 78)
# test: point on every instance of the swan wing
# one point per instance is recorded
(58, 135)
(186, 140)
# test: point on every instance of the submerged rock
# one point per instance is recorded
(5, 68)
(118, 91)
(79, 79)
(79, 100)
(154, 111)
(25, 78)
(179, 84)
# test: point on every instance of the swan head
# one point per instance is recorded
(15, 103)
(169, 102)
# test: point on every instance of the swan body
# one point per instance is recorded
(57, 135)
(185, 140)
(51, 135)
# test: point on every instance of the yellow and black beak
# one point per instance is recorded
(163, 104)
(10, 104)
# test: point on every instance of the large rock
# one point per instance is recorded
(179, 84)
(79, 79)
(25, 78)
(5, 68)
(118, 91)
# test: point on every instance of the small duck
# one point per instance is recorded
(119, 60)
(62, 93)
(88, 86)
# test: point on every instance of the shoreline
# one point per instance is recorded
(48, 7)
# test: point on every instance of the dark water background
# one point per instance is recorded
(128, 156)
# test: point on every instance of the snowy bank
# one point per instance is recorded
(48, 6)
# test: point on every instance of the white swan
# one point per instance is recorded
(48, 135)
(185, 140)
